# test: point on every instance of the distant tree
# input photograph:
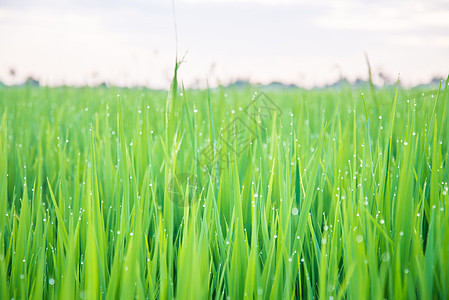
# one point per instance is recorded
(30, 81)
(12, 72)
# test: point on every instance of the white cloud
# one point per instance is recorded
(419, 41)
(376, 17)
(434, 18)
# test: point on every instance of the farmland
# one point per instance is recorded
(224, 193)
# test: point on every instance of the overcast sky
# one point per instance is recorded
(303, 42)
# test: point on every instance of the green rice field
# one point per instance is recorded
(227, 193)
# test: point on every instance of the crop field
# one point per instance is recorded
(227, 193)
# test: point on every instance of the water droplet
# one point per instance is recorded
(359, 239)
(51, 281)
(295, 211)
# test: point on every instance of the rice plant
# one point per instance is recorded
(224, 193)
